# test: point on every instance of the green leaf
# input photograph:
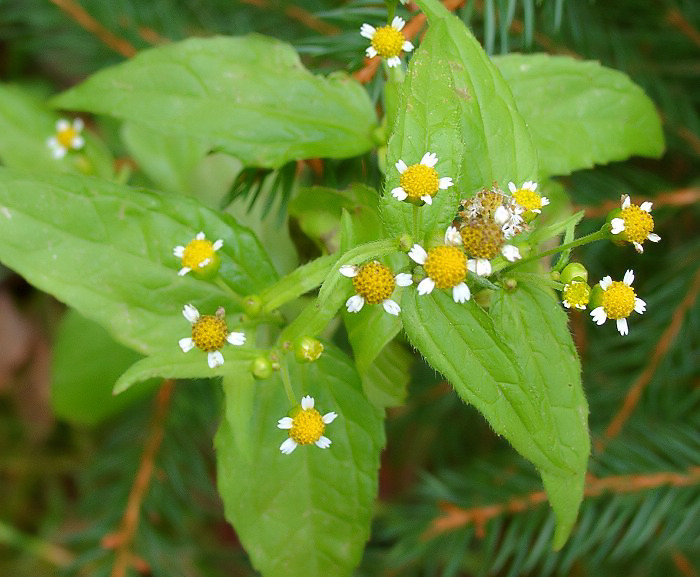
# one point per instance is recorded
(581, 113)
(535, 326)
(106, 250)
(26, 123)
(385, 381)
(169, 161)
(306, 514)
(248, 96)
(86, 363)
(461, 341)
(370, 330)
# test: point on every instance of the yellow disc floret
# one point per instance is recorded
(577, 294)
(618, 300)
(638, 223)
(209, 333)
(307, 426)
(420, 180)
(65, 137)
(528, 199)
(446, 265)
(198, 254)
(388, 41)
(375, 282)
(482, 239)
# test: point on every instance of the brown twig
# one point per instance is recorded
(635, 392)
(81, 16)
(676, 19)
(302, 16)
(683, 564)
(680, 197)
(457, 517)
(123, 538)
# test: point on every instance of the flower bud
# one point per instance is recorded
(252, 305)
(307, 349)
(261, 368)
(574, 271)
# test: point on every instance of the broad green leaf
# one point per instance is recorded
(106, 250)
(385, 381)
(26, 123)
(370, 330)
(461, 341)
(581, 113)
(86, 363)
(306, 514)
(248, 96)
(169, 161)
(535, 325)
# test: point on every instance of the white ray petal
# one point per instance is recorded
(618, 225)
(625, 201)
(191, 313)
(398, 23)
(391, 307)
(236, 338)
(599, 316)
(393, 62)
(349, 270)
(217, 245)
(404, 279)
(288, 446)
(640, 306)
(367, 31)
(323, 442)
(461, 293)
(628, 279)
(407, 46)
(355, 303)
(445, 182)
(510, 252)
(622, 326)
(452, 236)
(328, 418)
(179, 251)
(399, 193)
(427, 199)
(401, 166)
(646, 206)
(426, 286)
(285, 423)
(605, 283)
(307, 402)
(429, 159)
(418, 254)
(215, 359)
(370, 52)
(653, 237)
(186, 344)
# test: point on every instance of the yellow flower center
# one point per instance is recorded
(307, 426)
(528, 199)
(638, 223)
(446, 265)
(388, 41)
(618, 300)
(374, 282)
(65, 137)
(420, 180)
(209, 333)
(198, 254)
(482, 239)
(577, 293)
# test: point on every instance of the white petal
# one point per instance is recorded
(77, 142)
(461, 293)
(399, 193)
(622, 326)
(183, 271)
(426, 286)
(217, 245)
(328, 418)
(452, 236)
(510, 252)
(59, 152)
(404, 279)
(618, 225)
(398, 23)
(599, 316)
(429, 159)
(370, 52)
(640, 306)
(418, 254)
(78, 124)
(288, 446)
(355, 303)
(581, 307)
(445, 182)
(179, 251)
(186, 344)
(307, 402)
(501, 216)
(646, 206)
(237, 339)
(536, 211)
(203, 263)
(391, 307)
(200, 236)
(215, 359)
(638, 247)
(605, 283)
(323, 442)
(427, 199)
(190, 313)
(653, 237)
(285, 423)
(628, 279)
(483, 267)
(401, 166)
(367, 31)
(566, 304)
(62, 125)
(531, 185)
(349, 270)
(625, 200)
(393, 62)
(407, 46)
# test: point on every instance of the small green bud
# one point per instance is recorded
(574, 271)
(307, 349)
(555, 275)
(510, 284)
(261, 368)
(252, 305)
(405, 242)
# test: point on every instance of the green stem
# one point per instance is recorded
(416, 225)
(233, 294)
(594, 236)
(287, 382)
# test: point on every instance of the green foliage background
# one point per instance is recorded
(69, 489)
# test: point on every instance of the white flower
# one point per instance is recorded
(387, 41)
(198, 254)
(306, 427)
(210, 334)
(636, 222)
(374, 284)
(618, 302)
(67, 137)
(420, 181)
(446, 267)
(527, 197)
